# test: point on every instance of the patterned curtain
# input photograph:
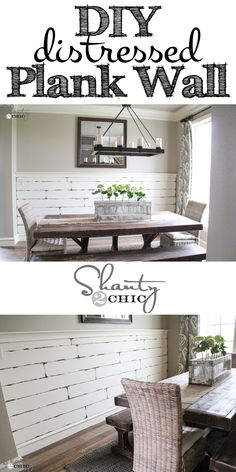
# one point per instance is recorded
(184, 178)
(188, 329)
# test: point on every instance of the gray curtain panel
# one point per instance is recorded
(184, 178)
(188, 329)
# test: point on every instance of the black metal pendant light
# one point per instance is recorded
(140, 150)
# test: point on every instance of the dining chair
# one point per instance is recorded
(161, 442)
(194, 211)
(233, 356)
(40, 247)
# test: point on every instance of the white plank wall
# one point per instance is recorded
(72, 193)
(55, 385)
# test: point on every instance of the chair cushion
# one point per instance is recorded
(189, 437)
(179, 235)
(177, 239)
(51, 244)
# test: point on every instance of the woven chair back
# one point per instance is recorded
(194, 211)
(157, 424)
(30, 224)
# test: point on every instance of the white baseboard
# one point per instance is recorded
(4, 242)
(203, 244)
(50, 438)
(17, 238)
(4, 468)
(203, 237)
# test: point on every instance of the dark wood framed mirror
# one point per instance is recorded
(87, 131)
(115, 319)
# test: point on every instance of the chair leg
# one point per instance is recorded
(28, 255)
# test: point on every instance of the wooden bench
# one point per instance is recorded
(122, 422)
(224, 460)
(187, 252)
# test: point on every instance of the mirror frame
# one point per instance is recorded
(79, 138)
(111, 320)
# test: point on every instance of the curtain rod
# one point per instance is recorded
(190, 117)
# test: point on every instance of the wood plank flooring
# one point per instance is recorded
(100, 249)
(98, 245)
(54, 457)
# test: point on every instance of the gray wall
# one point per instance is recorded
(48, 143)
(6, 225)
(7, 445)
(48, 323)
(173, 324)
(221, 244)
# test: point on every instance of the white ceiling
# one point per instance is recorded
(170, 108)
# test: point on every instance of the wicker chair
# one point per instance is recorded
(194, 211)
(41, 247)
(161, 444)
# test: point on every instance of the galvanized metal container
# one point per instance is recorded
(209, 371)
(117, 210)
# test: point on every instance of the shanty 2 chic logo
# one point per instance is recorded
(102, 286)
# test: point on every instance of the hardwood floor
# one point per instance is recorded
(12, 253)
(100, 249)
(98, 245)
(54, 457)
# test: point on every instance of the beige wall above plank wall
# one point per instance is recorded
(70, 322)
(48, 143)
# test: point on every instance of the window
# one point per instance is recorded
(223, 324)
(201, 165)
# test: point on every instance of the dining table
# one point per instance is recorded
(81, 227)
(203, 405)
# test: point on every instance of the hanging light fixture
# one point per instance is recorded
(131, 150)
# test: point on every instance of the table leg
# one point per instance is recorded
(84, 245)
(115, 243)
(147, 239)
(123, 447)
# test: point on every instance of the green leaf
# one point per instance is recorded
(219, 339)
(210, 341)
(197, 339)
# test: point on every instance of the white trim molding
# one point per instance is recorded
(5, 242)
(18, 336)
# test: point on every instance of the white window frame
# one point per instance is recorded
(214, 324)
